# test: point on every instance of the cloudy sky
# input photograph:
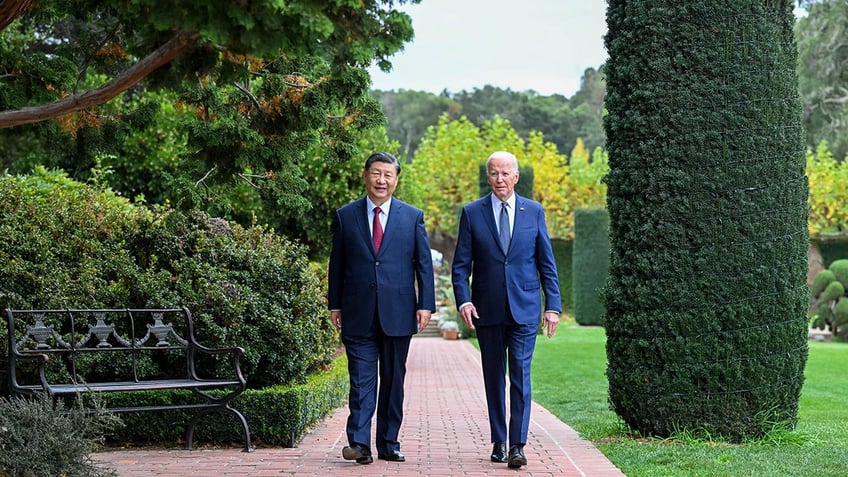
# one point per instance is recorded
(543, 45)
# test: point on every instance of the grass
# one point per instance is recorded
(569, 380)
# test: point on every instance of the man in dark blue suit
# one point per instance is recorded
(381, 292)
(503, 249)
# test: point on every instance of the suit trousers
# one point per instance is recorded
(507, 347)
(369, 356)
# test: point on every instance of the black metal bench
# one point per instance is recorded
(50, 351)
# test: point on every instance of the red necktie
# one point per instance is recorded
(377, 233)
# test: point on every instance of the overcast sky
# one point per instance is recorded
(543, 45)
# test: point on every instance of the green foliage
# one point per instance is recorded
(458, 150)
(833, 249)
(454, 149)
(829, 299)
(40, 440)
(823, 81)
(828, 194)
(590, 264)
(249, 288)
(557, 117)
(276, 415)
(821, 281)
(410, 113)
(840, 271)
(563, 254)
(71, 246)
(707, 199)
(229, 126)
(331, 185)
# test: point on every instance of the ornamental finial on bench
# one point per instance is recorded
(160, 330)
(39, 332)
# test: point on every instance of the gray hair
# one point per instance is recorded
(502, 155)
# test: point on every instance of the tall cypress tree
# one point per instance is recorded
(707, 196)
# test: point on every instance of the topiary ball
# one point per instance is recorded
(840, 271)
(833, 291)
(821, 281)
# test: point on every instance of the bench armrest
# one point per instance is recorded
(235, 352)
(40, 357)
(41, 360)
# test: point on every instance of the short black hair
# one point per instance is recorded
(382, 157)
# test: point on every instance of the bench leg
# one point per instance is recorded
(196, 419)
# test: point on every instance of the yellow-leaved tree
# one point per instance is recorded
(551, 184)
(443, 176)
(587, 187)
(828, 192)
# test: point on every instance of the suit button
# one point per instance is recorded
(377, 263)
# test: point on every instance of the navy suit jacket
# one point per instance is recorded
(522, 273)
(392, 284)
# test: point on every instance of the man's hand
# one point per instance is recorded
(551, 322)
(336, 317)
(468, 312)
(423, 317)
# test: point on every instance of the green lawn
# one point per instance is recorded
(569, 380)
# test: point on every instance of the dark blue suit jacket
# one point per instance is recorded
(523, 272)
(393, 284)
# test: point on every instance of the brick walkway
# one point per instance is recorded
(445, 432)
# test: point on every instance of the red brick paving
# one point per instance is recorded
(445, 432)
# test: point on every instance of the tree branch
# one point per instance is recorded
(11, 9)
(182, 41)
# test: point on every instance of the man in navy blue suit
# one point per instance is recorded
(503, 249)
(381, 292)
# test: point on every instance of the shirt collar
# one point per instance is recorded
(383, 208)
(496, 203)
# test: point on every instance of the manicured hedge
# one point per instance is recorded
(277, 415)
(563, 251)
(707, 196)
(590, 266)
(833, 249)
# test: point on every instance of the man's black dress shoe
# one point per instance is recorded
(499, 452)
(392, 456)
(516, 457)
(359, 453)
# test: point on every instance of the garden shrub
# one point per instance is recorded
(563, 251)
(833, 248)
(590, 266)
(707, 195)
(829, 299)
(68, 245)
(39, 440)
